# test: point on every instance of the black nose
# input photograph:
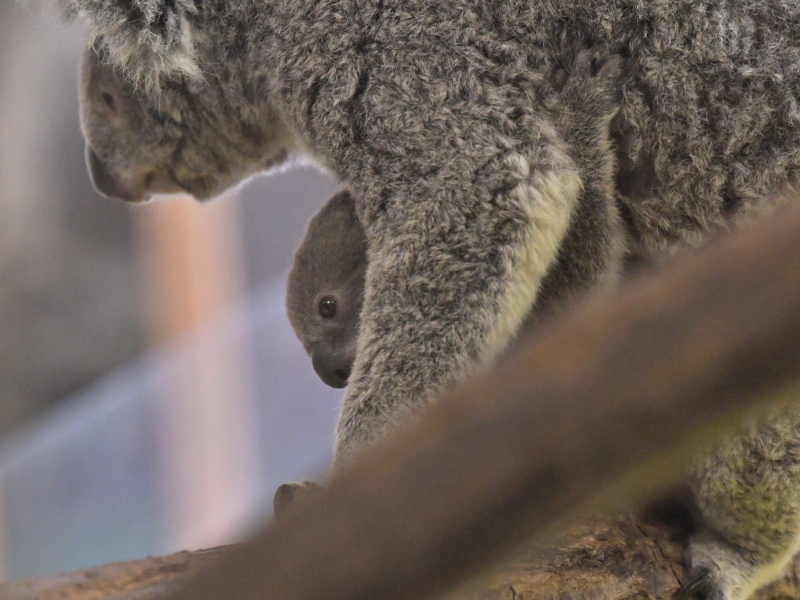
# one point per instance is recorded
(102, 180)
(343, 374)
(333, 370)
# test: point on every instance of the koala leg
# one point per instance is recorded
(451, 279)
(748, 495)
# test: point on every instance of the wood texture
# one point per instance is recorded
(148, 579)
(621, 558)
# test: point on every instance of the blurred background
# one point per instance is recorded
(152, 393)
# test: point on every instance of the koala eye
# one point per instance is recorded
(109, 101)
(327, 307)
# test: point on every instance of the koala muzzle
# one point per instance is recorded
(140, 188)
(334, 370)
(103, 181)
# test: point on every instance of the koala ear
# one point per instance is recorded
(149, 39)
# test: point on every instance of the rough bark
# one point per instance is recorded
(618, 558)
(622, 558)
(148, 579)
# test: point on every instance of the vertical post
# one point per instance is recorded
(192, 265)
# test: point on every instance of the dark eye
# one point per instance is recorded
(327, 307)
(110, 102)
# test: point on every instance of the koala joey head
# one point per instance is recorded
(325, 291)
(183, 138)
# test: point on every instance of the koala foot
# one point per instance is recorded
(288, 493)
(722, 570)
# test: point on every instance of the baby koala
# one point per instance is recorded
(325, 291)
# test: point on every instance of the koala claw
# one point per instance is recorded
(288, 493)
(698, 584)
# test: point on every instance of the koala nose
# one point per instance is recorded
(138, 188)
(103, 181)
(334, 370)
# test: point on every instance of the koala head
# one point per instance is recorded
(326, 289)
(186, 137)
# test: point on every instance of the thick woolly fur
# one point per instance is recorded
(748, 495)
(153, 39)
(503, 154)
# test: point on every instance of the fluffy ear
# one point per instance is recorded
(148, 39)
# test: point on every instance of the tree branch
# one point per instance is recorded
(617, 558)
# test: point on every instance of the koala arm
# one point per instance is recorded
(442, 300)
(149, 39)
(450, 281)
(594, 248)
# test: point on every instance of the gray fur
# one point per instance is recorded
(480, 183)
(748, 497)
(331, 263)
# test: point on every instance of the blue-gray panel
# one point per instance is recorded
(82, 490)
(81, 486)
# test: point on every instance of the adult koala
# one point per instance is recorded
(490, 177)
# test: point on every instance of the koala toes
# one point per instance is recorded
(289, 493)
(600, 66)
(597, 77)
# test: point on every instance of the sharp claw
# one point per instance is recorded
(284, 496)
(288, 493)
(698, 583)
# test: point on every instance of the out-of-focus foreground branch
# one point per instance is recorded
(601, 406)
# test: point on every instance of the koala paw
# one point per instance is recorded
(591, 86)
(289, 493)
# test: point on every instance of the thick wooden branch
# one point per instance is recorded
(149, 579)
(613, 559)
